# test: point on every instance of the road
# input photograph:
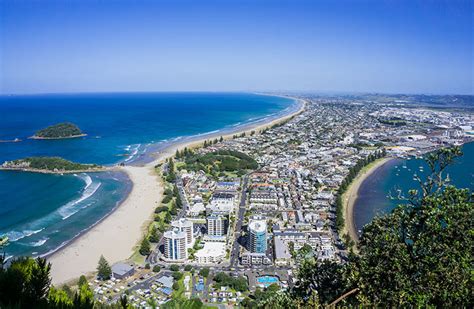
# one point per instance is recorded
(234, 254)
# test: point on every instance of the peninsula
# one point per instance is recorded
(51, 165)
(59, 131)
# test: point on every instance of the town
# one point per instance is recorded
(239, 213)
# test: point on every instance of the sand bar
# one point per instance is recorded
(118, 234)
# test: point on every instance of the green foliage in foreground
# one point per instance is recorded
(54, 163)
(60, 130)
(421, 253)
(26, 283)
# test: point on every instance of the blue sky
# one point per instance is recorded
(324, 46)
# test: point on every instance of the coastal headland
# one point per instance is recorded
(350, 196)
(117, 235)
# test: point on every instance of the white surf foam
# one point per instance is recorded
(15, 235)
(72, 207)
(39, 242)
(134, 151)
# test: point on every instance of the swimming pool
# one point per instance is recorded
(267, 280)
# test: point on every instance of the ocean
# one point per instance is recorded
(42, 212)
(380, 192)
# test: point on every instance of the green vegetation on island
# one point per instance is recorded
(48, 164)
(60, 130)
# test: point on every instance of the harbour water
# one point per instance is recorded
(384, 189)
(40, 213)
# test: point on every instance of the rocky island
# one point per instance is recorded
(59, 131)
(51, 165)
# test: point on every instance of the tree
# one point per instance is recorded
(154, 236)
(145, 248)
(26, 284)
(104, 271)
(175, 286)
(193, 303)
(174, 267)
(326, 278)
(58, 298)
(421, 254)
(177, 275)
(168, 217)
(179, 202)
(188, 268)
(171, 173)
(124, 301)
(84, 298)
(147, 266)
(156, 268)
(82, 280)
(39, 281)
(204, 272)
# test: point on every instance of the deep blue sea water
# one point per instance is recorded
(379, 193)
(41, 212)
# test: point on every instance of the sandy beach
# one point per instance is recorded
(118, 234)
(350, 196)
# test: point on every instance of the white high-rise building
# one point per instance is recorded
(186, 226)
(216, 225)
(257, 234)
(175, 245)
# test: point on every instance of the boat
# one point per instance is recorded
(3, 240)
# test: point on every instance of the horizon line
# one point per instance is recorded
(321, 92)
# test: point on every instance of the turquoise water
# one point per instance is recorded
(380, 192)
(41, 212)
(267, 280)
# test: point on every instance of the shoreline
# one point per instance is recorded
(53, 138)
(350, 196)
(58, 172)
(117, 235)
